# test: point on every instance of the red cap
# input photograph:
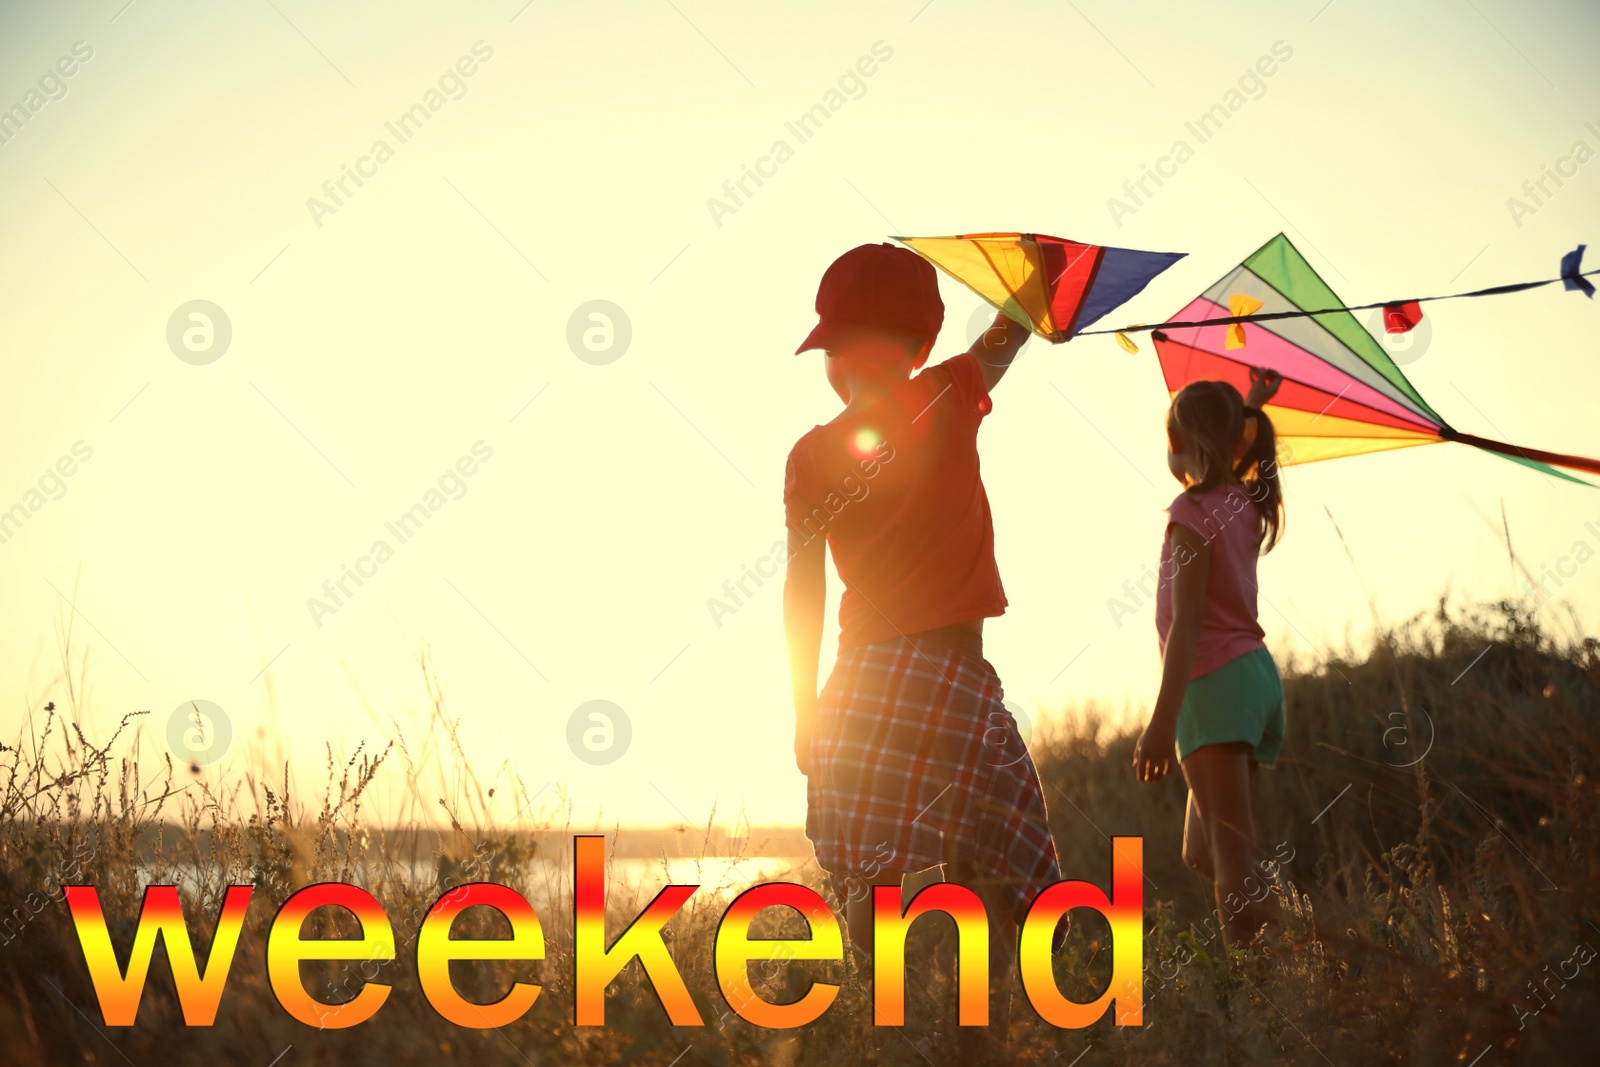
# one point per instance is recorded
(883, 286)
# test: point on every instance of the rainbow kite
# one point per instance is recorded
(1051, 285)
(1341, 394)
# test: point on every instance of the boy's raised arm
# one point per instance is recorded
(804, 602)
(997, 347)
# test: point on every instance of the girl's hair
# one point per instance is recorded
(1212, 418)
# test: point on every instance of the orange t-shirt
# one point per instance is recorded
(896, 490)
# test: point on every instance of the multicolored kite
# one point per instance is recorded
(1053, 286)
(1341, 395)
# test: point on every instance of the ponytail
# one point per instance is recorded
(1227, 437)
(1257, 468)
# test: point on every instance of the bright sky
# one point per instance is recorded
(377, 339)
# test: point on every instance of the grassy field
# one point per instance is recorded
(1436, 810)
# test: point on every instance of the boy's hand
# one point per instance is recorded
(802, 749)
(804, 719)
(1263, 386)
(1156, 752)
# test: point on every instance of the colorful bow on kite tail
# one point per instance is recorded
(1341, 394)
(1051, 285)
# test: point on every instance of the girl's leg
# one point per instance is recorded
(1196, 849)
(1219, 785)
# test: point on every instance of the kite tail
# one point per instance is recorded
(1579, 463)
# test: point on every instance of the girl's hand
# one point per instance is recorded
(1156, 753)
(1263, 386)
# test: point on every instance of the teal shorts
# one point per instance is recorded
(1242, 700)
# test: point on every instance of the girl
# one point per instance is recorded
(1220, 708)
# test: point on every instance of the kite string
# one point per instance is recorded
(1495, 290)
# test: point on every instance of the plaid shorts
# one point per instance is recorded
(917, 762)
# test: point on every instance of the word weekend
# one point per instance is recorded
(597, 965)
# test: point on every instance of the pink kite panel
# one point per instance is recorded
(1181, 364)
(1263, 348)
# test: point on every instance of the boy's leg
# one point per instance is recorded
(1219, 783)
(858, 913)
(1002, 933)
(996, 899)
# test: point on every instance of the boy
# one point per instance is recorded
(911, 758)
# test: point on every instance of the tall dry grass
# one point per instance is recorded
(1436, 797)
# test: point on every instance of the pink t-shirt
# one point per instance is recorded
(1226, 518)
